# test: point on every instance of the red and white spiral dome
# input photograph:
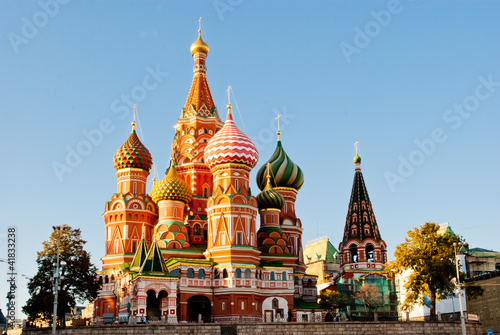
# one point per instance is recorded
(230, 145)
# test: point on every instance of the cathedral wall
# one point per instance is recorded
(339, 328)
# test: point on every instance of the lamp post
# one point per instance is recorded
(459, 287)
(57, 275)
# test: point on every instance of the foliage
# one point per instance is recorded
(331, 299)
(78, 282)
(370, 295)
(430, 256)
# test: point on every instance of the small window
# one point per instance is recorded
(236, 184)
(205, 192)
(222, 238)
(134, 246)
(201, 274)
(175, 212)
(238, 273)
(223, 306)
(116, 246)
(283, 276)
(225, 274)
(216, 274)
(275, 303)
(190, 273)
(248, 273)
(239, 238)
(242, 305)
(272, 276)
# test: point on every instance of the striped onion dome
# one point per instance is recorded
(284, 172)
(230, 145)
(269, 198)
(172, 187)
(132, 154)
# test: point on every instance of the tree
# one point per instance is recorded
(331, 299)
(78, 283)
(370, 295)
(430, 256)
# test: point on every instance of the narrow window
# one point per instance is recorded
(201, 274)
(175, 212)
(238, 273)
(116, 246)
(135, 188)
(223, 306)
(272, 276)
(236, 184)
(239, 238)
(134, 246)
(242, 305)
(190, 273)
(205, 192)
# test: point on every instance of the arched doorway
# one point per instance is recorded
(152, 306)
(197, 305)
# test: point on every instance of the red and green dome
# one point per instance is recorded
(133, 154)
(172, 187)
(270, 198)
(284, 172)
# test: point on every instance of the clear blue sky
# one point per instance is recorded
(336, 74)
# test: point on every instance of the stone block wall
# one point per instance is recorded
(337, 328)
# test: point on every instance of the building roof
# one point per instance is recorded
(480, 252)
(140, 255)
(172, 187)
(154, 264)
(360, 213)
(320, 250)
(132, 154)
(284, 172)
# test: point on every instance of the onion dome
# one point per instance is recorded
(172, 187)
(357, 159)
(284, 172)
(230, 145)
(270, 198)
(132, 154)
(199, 45)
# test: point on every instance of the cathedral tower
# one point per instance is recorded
(362, 248)
(232, 210)
(130, 208)
(198, 122)
(287, 178)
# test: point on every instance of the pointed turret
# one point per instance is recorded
(140, 254)
(154, 264)
(199, 101)
(362, 247)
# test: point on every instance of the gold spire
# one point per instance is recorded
(279, 132)
(199, 45)
(229, 107)
(133, 122)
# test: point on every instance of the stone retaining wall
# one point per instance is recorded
(337, 328)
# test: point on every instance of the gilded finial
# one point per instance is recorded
(357, 159)
(229, 99)
(356, 146)
(279, 132)
(199, 45)
(199, 25)
(133, 122)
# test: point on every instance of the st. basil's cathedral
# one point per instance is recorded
(191, 249)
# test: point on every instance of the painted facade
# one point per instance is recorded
(200, 246)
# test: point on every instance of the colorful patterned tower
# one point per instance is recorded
(129, 208)
(232, 210)
(172, 194)
(199, 121)
(362, 249)
(286, 178)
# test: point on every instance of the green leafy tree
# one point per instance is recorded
(371, 297)
(331, 299)
(431, 258)
(78, 282)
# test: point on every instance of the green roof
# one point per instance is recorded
(301, 304)
(140, 256)
(321, 250)
(154, 264)
(480, 252)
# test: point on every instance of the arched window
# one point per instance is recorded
(176, 273)
(272, 276)
(354, 253)
(225, 274)
(201, 274)
(283, 276)
(355, 206)
(106, 280)
(367, 229)
(216, 274)
(275, 303)
(205, 192)
(248, 273)
(238, 273)
(112, 278)
(369, 253)
(190, 273)
(134, 246)
(354, 230)
(363, 205)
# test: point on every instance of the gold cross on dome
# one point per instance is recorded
(356, 145)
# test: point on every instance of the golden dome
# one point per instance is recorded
(199, 45)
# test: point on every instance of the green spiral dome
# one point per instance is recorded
(284, 172)
(269, 198)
